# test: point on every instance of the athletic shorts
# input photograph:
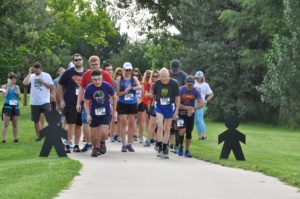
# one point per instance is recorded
(126, 109)
(72, 116)
(99, 120)
(166, 110)
(10, 112)
(141, 107)
(36, 111)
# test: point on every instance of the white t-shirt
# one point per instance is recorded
(39, 94)
(203, 88)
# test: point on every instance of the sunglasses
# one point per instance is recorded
(155, 76)
(96, 79)
(147, 76)
(128, 70)
(77, 59)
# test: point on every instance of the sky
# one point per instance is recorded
(127, 20)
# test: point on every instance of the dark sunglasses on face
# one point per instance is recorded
(77, 59)
(96, 79)
(155, 76)
(128, 70)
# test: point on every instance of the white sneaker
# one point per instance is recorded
(141, 139)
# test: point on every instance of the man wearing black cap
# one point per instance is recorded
(185, 122)
(41, 85)
(180, 76)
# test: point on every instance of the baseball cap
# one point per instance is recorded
(127, 65)
(175, 63)
(190, 79)
(199, 74)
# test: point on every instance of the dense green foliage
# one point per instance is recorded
(241, 45)
(50, 31)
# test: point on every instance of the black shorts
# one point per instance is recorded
(141, 107)
(10, 112)
(36, 111)
(100, 120)
(72, 116)
(126, 109)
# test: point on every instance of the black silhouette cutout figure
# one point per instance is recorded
(232, 139)
(53, 134)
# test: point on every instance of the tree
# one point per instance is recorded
(281, 84)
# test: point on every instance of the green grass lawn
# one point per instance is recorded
(23, 174)
(271, 150)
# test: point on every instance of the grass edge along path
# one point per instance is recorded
(274, 151)
(23, 174)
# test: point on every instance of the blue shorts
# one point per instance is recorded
(100, 120)
(166, 110)
(83, 116)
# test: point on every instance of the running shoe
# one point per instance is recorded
(147, 143)
(180, 151)
(76, 149)
(141, 139)
(68, 149)
(86, 147)
(165, 154)
(187, 154)
(116, 138)
(129, 148)
(3, 141)
(16, 140)
(176, 149)
(124, 148)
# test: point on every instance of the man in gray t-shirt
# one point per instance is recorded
(176, 73)
(180, 76)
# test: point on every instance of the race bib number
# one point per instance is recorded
(128, 96)
(165, 101)
(180, 123)
(13, 102)
(77, 91)
(100, 111)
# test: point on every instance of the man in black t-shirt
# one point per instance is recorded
(166, 95)
(70, 82)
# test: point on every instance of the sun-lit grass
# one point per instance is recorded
(23, 174)
(272, 150)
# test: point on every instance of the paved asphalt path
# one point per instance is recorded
(142, 175)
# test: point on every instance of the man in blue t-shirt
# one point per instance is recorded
(185, 121)
(97, 107)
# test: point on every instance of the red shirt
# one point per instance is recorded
(146, 100)
(87, 78)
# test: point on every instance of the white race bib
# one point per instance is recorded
(128, 96)
(165, 100)
(13, 102)
(180, 123)
(100, 111)
(76, 91)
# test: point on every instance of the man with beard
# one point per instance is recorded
(70, 81)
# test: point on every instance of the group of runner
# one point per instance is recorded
(120, 104)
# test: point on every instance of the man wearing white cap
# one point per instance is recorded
(206, 95)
